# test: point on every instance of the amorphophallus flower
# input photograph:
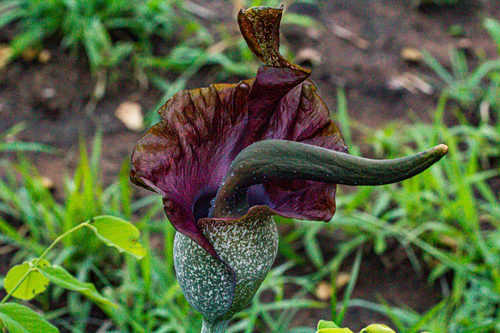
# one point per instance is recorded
(228, 157)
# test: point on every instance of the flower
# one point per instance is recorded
(186, 156)
(229, 147)
(228, 157)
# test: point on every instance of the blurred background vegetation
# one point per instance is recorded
(445, 222)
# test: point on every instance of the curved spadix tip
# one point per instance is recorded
(441, 149)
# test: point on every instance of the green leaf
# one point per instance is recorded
(377, 328)
(118, 233)
(493, 28)
(27, 146)
(326, 324)
(63, 278)
(21, 319)
(334, 330)
(34, 283)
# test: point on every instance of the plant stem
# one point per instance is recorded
(217, 327)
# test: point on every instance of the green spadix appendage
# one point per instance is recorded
(280, 160)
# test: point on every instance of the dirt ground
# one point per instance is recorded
(359, 47)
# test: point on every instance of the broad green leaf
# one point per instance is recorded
(118, 233)
(34, 284)
(62, 278)
(334, 330)
(21, 319)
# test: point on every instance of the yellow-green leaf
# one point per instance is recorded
(34, 283)
(118, 233)
(21, 319)
(377, 328)
(326, 324)
(63, 278)
(334, 330)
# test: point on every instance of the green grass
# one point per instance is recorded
(446, 219)
(9, 142)
(146, 39)
(473, 88)
(107, 31)
(121, 33)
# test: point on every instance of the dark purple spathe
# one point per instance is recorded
(186, 156)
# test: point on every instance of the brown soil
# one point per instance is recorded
(51, 98)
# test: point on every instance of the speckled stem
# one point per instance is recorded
(280, 160)
(218, 327)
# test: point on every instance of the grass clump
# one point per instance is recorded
(472, 88)
(447, 219)
(108, 31)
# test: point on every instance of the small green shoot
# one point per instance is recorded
(29, 279)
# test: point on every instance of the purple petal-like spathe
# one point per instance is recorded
(187, 155)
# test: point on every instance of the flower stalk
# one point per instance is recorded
(219, 327)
